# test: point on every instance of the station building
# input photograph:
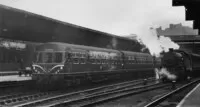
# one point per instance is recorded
(32, 29)
(186, 37)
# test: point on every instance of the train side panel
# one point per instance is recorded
(83, 64)
(195, 65)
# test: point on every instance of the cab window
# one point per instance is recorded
(58, 57)
(47, 57)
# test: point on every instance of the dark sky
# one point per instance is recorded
(120, 17)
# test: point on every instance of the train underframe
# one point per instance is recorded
(64, 80)
(179, 73)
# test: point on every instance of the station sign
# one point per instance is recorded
(12, 44)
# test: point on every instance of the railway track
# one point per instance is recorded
(10, 84)
(175, 94)
(14, 86)
(21, 97)
(91, 93)
(107, 96)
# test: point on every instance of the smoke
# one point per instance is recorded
(157, 73)
(156, 44)
(163, 72)
(113, 44)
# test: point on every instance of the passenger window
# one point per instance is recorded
(47, 57)
(112, 61)
(116, 62)
(69, 55)
(82, 61)
(92, 61)
(76, 60)
(138, 59)
(146, 60)
(98, 61)
(84, 55)
(58, 57)
(141, 59)
(39, 57)
(66, 55)
(79, 55)
(104, 61)
(131, 61)
(73, 55)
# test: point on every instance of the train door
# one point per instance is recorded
(68, 62)
(122, 60)
(188, 64)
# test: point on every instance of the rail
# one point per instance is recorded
(161, 99)
(81, 94)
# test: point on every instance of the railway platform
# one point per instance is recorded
(192, 99)
(12, 76)
(6, 73)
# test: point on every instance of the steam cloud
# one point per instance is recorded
(113, 44)
(156, 44)
(163, 72)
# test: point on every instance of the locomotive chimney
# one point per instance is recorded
(171, 49)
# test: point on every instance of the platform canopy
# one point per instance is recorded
(21, 25)
(184, 38)
(192, 10)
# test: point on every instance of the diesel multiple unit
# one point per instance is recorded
(73, 64)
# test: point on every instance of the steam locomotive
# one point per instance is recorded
(180, 64)
(69, 64)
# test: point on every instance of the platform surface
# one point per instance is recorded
(14, 78)
(6, 73)
(192, 99)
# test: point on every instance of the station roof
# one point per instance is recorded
(23, 25)
(184, 38)
(18, 24)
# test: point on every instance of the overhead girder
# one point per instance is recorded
(191, 12)
(191, 9)
(196, 24)
(177, 2)
(183, 2)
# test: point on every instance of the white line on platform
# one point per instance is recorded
(183, 100)
(14, 78)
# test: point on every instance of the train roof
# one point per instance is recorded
(137, 53)
(187, 53)
(197, 55)
(63, 46)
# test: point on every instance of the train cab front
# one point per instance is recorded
(48, 62)
(47, 65)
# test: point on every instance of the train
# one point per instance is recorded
(180, 64)
(15, 55)
(70, 64)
